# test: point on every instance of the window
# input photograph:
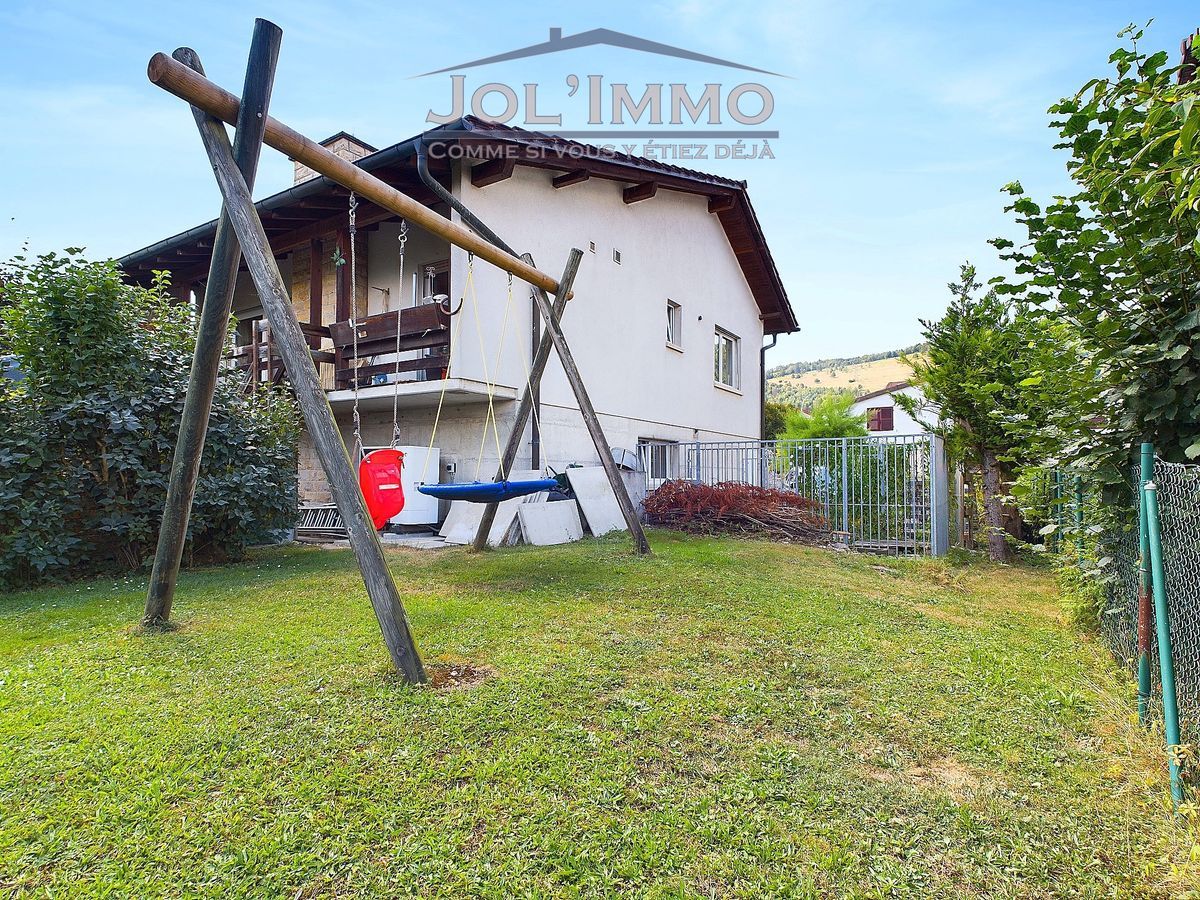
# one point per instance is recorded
(881, 418)
(660, 460)
(616, 256)
(727, 367)
(435, 280)
(674, 324)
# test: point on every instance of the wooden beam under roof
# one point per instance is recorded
(576, 177)
(492, 171)
(720, 203)
(639, 192)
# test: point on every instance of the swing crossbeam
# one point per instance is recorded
(176, 78)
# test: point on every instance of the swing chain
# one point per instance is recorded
(396, 375)
(353, 232)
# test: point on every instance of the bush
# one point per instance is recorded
(87, 435)
(830, 418)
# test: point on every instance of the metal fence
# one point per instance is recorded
(886, 494)
(1178, 488)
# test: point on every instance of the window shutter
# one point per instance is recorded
(880, 418)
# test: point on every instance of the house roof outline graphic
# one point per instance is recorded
(599, 37)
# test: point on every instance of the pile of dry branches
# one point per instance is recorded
(732, 508)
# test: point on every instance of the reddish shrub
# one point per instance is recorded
(733, 508)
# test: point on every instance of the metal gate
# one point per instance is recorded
(886, 494)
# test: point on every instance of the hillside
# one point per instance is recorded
(801, 383)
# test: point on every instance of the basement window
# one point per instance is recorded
(674, 325)
(659, 458)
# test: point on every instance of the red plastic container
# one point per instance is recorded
(379, 480)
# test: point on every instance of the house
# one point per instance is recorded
(674, 297)
(886, 418)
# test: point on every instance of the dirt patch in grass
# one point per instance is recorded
(946, 774)
(456, 676)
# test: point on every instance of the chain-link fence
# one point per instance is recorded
(1119, 552)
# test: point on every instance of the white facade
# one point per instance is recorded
(902, 423)
(671, 249)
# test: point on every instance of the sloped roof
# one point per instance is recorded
(298, 209)
(890, 388)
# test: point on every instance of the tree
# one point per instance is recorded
(830, 418)
(977, 373)
(1117, 264)
(775, 419)
(87, 436)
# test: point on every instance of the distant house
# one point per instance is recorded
(886, 418)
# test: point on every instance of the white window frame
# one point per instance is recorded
(660, 459)
(721, 337)
(674, 324)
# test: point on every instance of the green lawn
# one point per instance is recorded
(725, 719)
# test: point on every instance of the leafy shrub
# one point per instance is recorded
(830, 418)
(87, 435)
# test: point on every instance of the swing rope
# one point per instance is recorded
(533, 407)
(454, 336)
(488, 378)
(491, 376)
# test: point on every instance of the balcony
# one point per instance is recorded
(365, 355)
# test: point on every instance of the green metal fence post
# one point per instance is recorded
(1163, 627)
(1145, 473)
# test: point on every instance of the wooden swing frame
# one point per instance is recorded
(240, 234)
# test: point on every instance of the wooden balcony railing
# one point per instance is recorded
(260, 359)
(420, 328)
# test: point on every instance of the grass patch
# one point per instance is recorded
(727, 718)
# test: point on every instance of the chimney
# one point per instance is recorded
(555, 35)
(347, 146)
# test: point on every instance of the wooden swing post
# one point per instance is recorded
(213, 327)
(318, 416)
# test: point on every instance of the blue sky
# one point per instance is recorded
(898, 125)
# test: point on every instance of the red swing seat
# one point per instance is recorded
(379, 480)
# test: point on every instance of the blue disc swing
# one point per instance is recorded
(488, 491)
(483, 491)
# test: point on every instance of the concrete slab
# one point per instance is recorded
(462, 521)
(596, 499)
(414, 541)
(544, 524)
